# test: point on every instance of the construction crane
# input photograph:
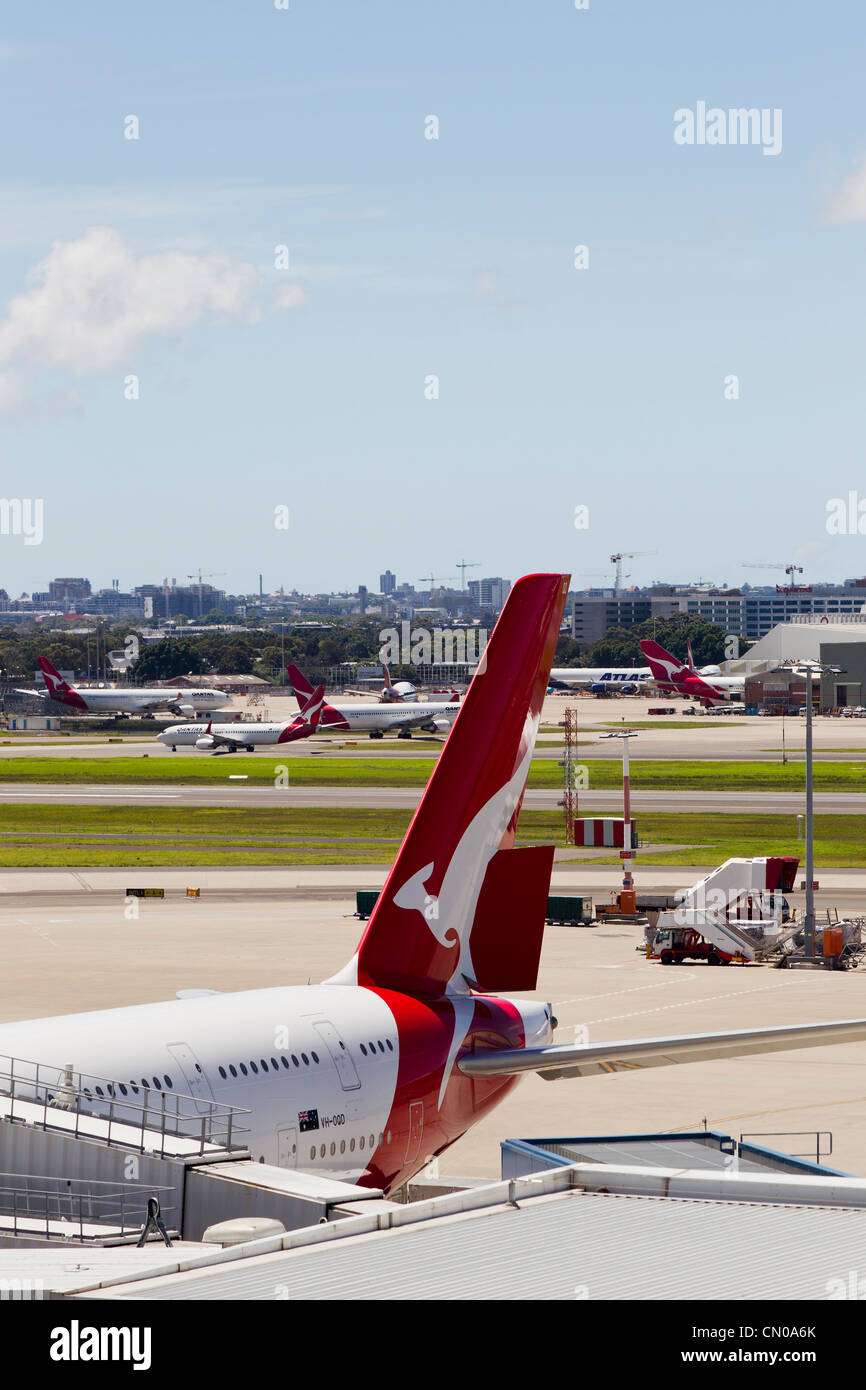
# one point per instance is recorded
(790, 570)
(463, 566)
(626, 555)
(423, 578)
(213, 575)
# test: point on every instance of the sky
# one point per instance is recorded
(423, 374)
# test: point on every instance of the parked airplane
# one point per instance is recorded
(433, 716)
(370, 1074)
(673, 677)
(231, 738)
(601, 679)
(400, 692)
(123, 699)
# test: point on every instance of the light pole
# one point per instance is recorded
(626, 855)
(809, 919)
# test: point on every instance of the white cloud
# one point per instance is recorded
(93, 302)
(848, 204)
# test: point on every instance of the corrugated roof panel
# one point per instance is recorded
(562, 1247)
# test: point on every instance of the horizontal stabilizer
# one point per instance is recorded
(587, 1059)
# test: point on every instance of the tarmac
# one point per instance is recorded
(69, 944)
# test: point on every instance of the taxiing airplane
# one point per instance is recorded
(123, 699)
(369, 1075)
(231, 738)
(672, 677)
(431, 716)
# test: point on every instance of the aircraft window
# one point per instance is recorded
(134, 1088)
(389, 1136)
(254, 1069)
(381, 1045)
(285, 1061)
(333, 1150)
(363, 1049)
(315, 1057)
(321, 1151)
(389, 1045)
(87, 1093)
(232, 1069)
(157, 1083)
(222, 1072)
(122, 1088)
(275, 1064)
(372, 1047)
(313, 1152)
(381, 1138)
(263, 1064)
(144, 1084)
(243, 1068)
(372, 1145)
(99, 1091)
(295, 1060)
(168, 1081)
(343, 1045)
(352, 1145)
(198, 1068)
(305, 1059)
(342, 1146)
(362, 1141)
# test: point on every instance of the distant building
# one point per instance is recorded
(489, 593)
(387, 583)
(362, 599)
(68, 590)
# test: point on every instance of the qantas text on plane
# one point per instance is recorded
(368, 1075)
(126, 699)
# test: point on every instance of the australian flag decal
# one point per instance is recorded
(307, 1120)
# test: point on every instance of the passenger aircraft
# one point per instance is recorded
(600, 679)
(401, 692)
(231, 738)
(672, 676)
(126, 699)
(370, 1074)
(434, 716)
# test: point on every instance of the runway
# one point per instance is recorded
(398, 798)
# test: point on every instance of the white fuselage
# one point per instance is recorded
(135, 699)
(603, 675)
(249, 735)
(382, 717)
(192, 1042)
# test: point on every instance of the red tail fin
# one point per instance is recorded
(664, 666)
(419, 937)
(311, 709)
(300, 685)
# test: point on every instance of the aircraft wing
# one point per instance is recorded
(413, 721)
(588, 1059)
(40, 693)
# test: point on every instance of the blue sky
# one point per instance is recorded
(410, 257)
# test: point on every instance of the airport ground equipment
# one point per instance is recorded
(738, 912)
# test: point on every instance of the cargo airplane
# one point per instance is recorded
(674, 678)
(231, 738)
(125, 699)
(431, 716)
(368, 1075)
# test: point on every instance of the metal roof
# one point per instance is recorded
(565, 1245)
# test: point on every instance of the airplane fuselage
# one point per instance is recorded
(354, 1082)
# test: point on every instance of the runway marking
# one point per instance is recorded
(635, 989)
(101, 796)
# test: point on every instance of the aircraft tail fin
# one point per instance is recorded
(456, 912)
(665, 667)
